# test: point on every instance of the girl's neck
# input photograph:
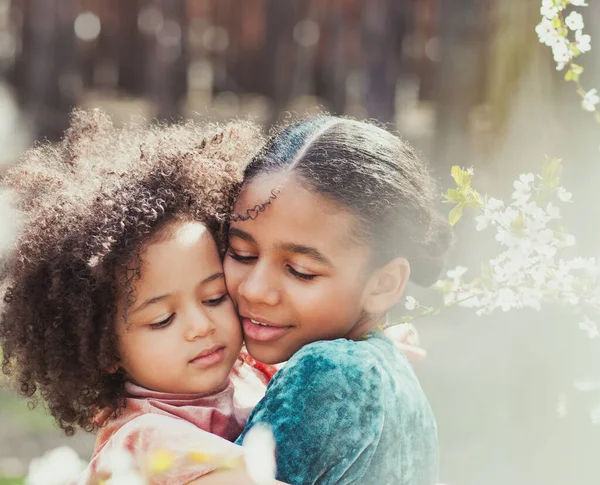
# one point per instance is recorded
(135, 389)
(366, 323)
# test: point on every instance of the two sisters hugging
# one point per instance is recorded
(142, 249)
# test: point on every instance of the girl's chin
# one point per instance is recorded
(266, 353)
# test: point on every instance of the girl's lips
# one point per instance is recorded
(207, 360)
(262, 333)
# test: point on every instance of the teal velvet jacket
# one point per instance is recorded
(350, 412)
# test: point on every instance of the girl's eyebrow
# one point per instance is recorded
(156, 299)
(150, 301)
(235, 232)
(309, 251)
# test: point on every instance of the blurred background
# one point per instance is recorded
(465, 81)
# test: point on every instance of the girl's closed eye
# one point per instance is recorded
(240, 257)
(216, 301)
(301, 275)
(163, 323)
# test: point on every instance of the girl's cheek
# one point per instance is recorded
(231, 274)
(234, 278)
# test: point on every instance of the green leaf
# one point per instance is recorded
(551, 173)
(455, 214)
(574, 50)
(456, 173)
(571, 76)
(453, 196)
(573, 73)
(466, 179)
(461, 177)
(474, 201)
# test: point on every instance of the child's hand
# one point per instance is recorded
(406, 338)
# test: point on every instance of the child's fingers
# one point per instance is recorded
(405, 333)
(412, 352)
(406, 339)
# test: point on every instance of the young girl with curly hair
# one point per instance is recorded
(115, 308)
(334, 217)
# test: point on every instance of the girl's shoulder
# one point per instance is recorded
(348, 368)
(331, 367)
(361, 355)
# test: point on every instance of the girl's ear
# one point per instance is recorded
(386, 286)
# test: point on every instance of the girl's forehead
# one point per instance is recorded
(189, 233)
(270, 189)
(295, 214)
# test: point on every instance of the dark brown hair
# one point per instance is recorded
(88, 205)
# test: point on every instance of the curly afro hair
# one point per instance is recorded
(88, 205)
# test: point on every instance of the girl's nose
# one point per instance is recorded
(260, 286)
(198, 324)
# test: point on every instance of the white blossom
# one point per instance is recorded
(259, 454)
(468, 299)
(457, 272)
(523, 187)
(579, 3)
(449, 297)
(531, 298)
(539, 273)
(507, 299)
(494, 204)
(548, 9)
(411, 303)
(527, 272)
(588, 264)
(563, 194)
(552, 211)
(483, 222)
(574, 21)
(490, 213)
(583, 42)
(505, 237)
(590, 100)
(546, 32)
(60, 466)
(561, 52)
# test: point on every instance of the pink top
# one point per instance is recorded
(180, 423)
